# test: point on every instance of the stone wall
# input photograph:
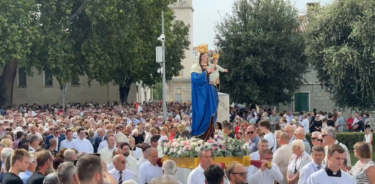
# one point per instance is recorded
(36, 92)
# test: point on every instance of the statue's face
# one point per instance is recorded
(215, 61)
(204, 57)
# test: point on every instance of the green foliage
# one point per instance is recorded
(347, 138)
(108, 40)
(261, 46)
(340, 42)
(18, 27)
(122, 44)
(157, 91)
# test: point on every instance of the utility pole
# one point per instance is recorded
(160, 58)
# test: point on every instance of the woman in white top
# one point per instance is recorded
(368, 137)
(298, 160)
(364, 170)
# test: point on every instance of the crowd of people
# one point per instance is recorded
(123, 143)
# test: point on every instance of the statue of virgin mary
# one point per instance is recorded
(204, 97)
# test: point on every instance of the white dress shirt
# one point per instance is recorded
(83, 145)
(308, 170)
(102, 145)
(106, 154)
(126, 175)
(138, 165)
(110, 166)
(268, 176)
(57, 143)
(271, 141)
(255, 155)
(130, 163)
(196, 176)
(66, 144)
(148, 172)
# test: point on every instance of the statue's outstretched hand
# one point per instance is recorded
(226, 70)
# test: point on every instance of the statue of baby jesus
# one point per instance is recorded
(215, 75)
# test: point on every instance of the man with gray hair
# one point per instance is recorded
(315, 138)
(329, 138)
(67, 173)
(262, 145)
(51, 179)
(70, 155)
(169, 169)
(299, 134)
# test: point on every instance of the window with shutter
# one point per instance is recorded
(301, 102)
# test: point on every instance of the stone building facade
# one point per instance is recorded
(310, 96)
(42, 88)
(179, 88)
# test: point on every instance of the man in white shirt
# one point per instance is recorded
(329, 138)
(264, 174)
(106, 153)
(282, 155)
(305, 123)
(197, 175)
(169, 169)
(150, 169)
(120, 173)
(262, 145)
(332, 173)
(265, 127)
(82, 144)
(33, 131)
(142, 160)
(68, 142)
(155, 144)
(314, 166)
(130, 160)
(117, 151)
(104, 144)
(236, 173)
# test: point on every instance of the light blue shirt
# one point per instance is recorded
(340, 122)
(25, 175)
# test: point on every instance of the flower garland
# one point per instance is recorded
(219, 145)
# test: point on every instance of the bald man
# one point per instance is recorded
(299, 134)
(283, 154)
(290, 130)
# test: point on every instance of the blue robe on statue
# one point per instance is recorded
(205, 101)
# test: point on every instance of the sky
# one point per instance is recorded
(206, 14)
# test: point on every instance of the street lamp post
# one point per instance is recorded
(160, 58)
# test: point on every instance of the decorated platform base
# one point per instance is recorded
(192, 163)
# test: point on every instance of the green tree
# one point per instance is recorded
(18, 29)
(121, 47)
(157, 91)
(341, 45)
(262, 47)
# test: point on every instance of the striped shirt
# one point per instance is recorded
(359, 172)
